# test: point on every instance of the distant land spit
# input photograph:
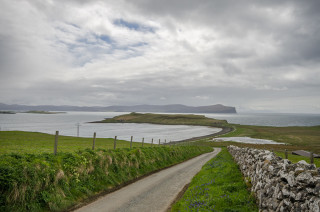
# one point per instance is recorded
(173, 108)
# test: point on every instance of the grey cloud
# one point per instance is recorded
(242, 53)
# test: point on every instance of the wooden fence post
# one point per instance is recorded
(115, 142)
(94, 140)
(311, 158)
(142, 141)
(151, 141)
(159, 141)
(131, 142)
(286, 153)
(56, 142)
(165, 141)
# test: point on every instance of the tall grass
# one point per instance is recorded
(219, 186)
(42, 182)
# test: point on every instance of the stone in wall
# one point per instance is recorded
(279, 184)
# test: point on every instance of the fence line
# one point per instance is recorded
(55, 148)
(56, 143)
(94, 140)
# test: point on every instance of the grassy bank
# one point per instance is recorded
(43, 182)
(167, 119)
(219, 186)
(33, 142)
(307, 137)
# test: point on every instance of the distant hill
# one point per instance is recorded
(174, 108)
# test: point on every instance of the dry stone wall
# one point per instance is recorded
(279, 184)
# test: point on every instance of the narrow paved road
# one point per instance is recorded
(153, 193)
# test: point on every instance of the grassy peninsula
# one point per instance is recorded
(307, 138)
(166, 119)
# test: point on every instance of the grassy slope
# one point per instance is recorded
(300, 136)
(219, 186)
(45, 182)
(169, 119)
(32, 142)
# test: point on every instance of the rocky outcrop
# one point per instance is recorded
(278, 184)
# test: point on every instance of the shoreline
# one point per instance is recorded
(224, 130)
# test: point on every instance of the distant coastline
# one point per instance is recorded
(173, 108)
(42, 112)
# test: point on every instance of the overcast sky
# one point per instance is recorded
(254, 55)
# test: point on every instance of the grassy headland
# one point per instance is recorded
(166, 119)
(47, 182)
(33, 142)
(307, 138)
(219, 186)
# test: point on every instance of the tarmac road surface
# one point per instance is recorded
(153, 193)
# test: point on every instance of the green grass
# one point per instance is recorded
(47, 182)
(167, 119)
(219, 186)
(33, 142)
(307, 138)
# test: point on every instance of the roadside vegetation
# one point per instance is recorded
(33, 142)
(47, 182)
(167, 119)
(219, 186)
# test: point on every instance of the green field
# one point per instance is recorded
(166, 119)
(308, 137)
(33, 142)
(219, 186)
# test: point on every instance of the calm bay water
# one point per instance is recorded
(66, 124)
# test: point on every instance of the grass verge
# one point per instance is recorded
(45, 182)
(219, 186)
(34, 142)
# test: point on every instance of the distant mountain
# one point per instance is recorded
(174, 108)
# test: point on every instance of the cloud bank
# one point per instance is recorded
(255, 55)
